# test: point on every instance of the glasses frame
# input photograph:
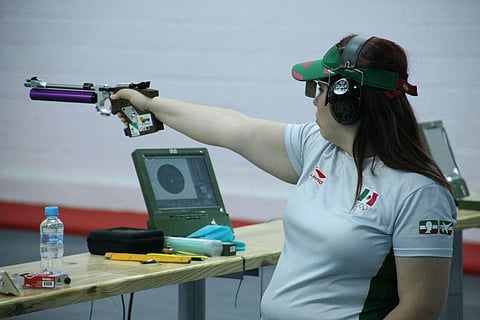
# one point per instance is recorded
(313, 88)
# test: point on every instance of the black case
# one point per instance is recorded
(125, 240)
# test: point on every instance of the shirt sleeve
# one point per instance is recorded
(424, 225)
(297, 138)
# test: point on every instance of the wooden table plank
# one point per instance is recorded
(467, 219)
(94, 277)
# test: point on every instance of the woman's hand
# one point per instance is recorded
(137, 99)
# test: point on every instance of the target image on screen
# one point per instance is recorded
(180, 182)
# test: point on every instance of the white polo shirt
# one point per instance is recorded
(338, 262)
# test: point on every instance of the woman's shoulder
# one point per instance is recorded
(304, 134)
(406, 184)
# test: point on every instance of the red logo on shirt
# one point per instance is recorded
(318, 176)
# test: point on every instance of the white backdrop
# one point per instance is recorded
(224, 53)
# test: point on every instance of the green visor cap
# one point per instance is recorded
(329, 66)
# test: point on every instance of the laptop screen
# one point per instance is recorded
(180, 182)
(436, 139)
(180, 189)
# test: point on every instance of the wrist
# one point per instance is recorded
(154, 103)
(158, 106)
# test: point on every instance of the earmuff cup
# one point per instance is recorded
(344, 98)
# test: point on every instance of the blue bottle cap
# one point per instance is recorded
(51, 211)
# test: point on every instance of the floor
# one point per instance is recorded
(221, 298)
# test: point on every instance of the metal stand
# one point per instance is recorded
(191, 300)
(191, 295)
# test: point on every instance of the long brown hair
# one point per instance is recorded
(388, 125)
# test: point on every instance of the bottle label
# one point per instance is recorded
(51, 236)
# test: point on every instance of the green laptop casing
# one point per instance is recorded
(179, 220)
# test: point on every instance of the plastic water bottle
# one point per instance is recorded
(51, 242)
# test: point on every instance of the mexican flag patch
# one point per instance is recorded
(368, 197)
(428, 227)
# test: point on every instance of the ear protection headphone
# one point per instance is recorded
(344, 94)
(344, 97)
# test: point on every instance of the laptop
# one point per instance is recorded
(180, 190)
(436, 139)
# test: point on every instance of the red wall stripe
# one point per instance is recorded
(81, 221)
(77, 220)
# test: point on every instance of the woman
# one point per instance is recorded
(368, 230)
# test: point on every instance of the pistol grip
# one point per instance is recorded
(139, 122)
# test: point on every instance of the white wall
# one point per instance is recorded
(225, 53)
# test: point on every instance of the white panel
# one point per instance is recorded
(235, 54)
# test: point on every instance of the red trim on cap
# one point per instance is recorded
(297, 76)
(402, 86)
(327, 71)
(307, 64)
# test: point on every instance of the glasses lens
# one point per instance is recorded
(310, 89)
(314, 88)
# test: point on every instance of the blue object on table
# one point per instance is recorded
(217, 232)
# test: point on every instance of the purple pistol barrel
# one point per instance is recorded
(63, 95)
